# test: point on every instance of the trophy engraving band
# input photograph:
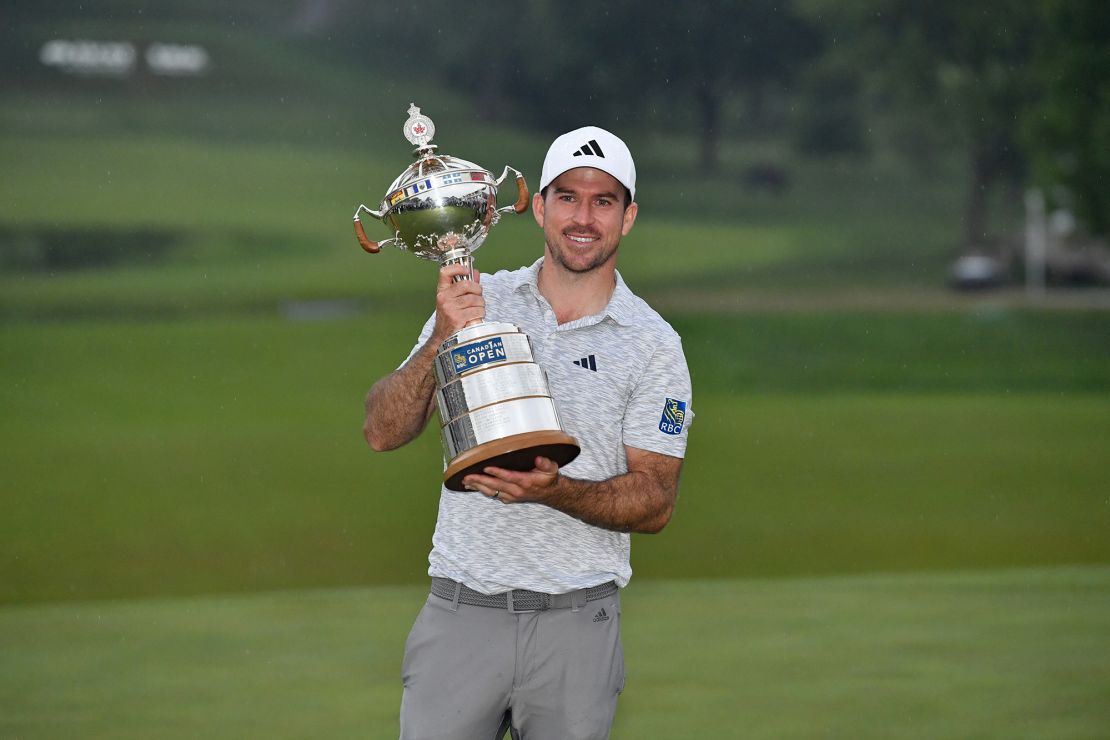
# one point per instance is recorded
(493, 385)
(500, 420)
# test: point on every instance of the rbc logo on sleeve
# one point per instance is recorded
(674, 414)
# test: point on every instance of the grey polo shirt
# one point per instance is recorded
(618, 378)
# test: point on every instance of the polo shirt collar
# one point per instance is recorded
(621, 306)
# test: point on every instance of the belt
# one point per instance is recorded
(520, 600)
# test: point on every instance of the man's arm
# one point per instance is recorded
(641, 500)
(399, 405)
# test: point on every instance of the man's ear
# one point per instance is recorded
(629, 218)
(537, 208)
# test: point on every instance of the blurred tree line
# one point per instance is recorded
(1019, 88)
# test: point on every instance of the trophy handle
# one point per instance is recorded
(370, 246)
(521, 204)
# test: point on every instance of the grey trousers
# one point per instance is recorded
(472, 672)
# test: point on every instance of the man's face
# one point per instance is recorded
(583, 218)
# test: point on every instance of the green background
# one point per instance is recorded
(893, 518)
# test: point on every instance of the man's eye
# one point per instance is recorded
(603, 201)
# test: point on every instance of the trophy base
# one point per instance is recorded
(515, 452)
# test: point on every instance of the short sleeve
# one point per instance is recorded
(659, 413)
(425, 335)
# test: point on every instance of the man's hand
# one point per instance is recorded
(457, 303)
(641, 500)
(512, 487)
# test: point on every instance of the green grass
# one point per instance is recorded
(176, 457)
(991, 654)
(959, 351)
(166, 431)
(259, 219)
(183, 183)
(787, 485)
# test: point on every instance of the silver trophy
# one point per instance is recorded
(495, 407)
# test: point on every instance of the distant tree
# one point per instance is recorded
(959, 63)
(702, 54)
(482, 49)
(492, 53)
(1068, 130)
(829, 110)
(562, 64)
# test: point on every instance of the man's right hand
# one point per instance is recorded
(457, 304)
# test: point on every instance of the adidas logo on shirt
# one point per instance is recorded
(587, 362)
(590, 148)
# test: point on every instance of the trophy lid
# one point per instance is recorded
(414, 180)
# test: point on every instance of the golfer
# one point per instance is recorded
(521, 629)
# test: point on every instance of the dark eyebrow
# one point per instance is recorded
(571, 191)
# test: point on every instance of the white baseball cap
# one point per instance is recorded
(590, 146)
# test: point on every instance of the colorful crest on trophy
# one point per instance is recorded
(419, 129)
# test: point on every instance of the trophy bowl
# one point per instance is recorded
(437, 197)
(494, 402)
(439, 203)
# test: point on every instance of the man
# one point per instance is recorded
(489, 651)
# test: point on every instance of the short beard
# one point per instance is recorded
(601, 259)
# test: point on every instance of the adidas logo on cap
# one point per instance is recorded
(590, 147)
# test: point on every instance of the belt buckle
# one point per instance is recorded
(545, 602)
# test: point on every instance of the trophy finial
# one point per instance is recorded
(419, 129)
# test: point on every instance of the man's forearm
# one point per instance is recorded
(398, 406)
(633, 502)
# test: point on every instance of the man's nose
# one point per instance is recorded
(583, 212)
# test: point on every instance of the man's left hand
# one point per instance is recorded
(512, 487)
